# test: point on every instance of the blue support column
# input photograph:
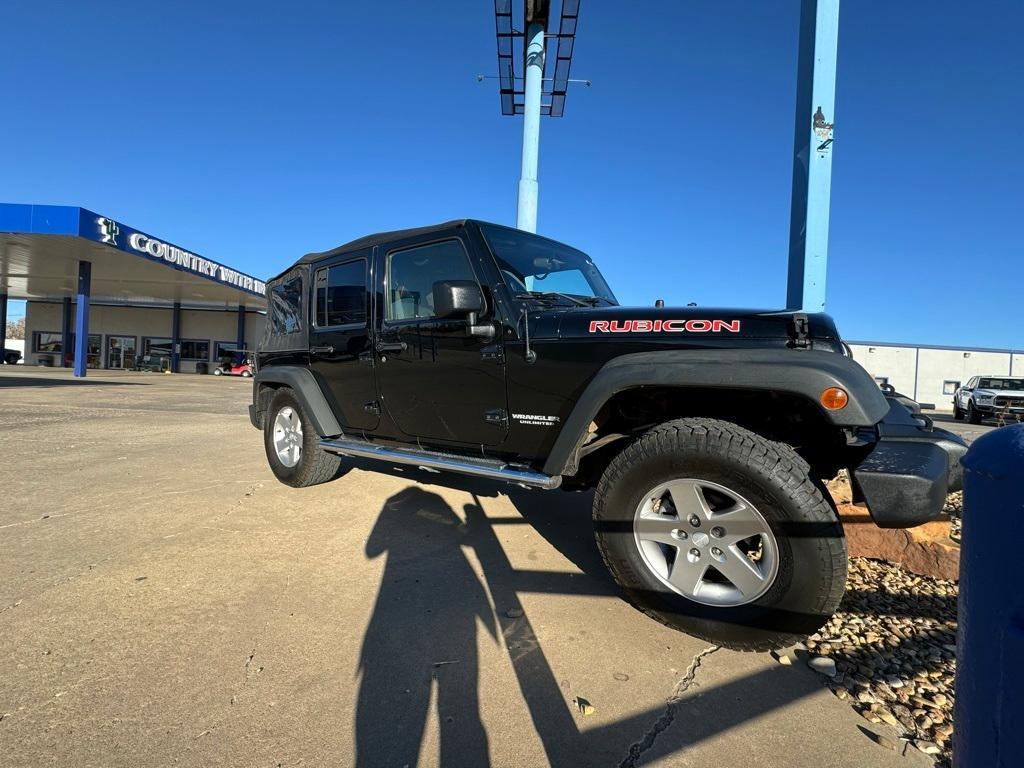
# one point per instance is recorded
(175, 337)
(3, 317)
(812, 149)
(65, 332)
(240, 337)
(526, 212)
(82, 317)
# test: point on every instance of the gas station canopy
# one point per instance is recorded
(41, 247)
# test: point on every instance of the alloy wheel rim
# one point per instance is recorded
(706, 542)
(288, 436)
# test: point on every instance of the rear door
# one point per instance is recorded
(436, 381)
(339, 350)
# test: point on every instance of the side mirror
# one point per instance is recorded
(457, 298)
(461, 298)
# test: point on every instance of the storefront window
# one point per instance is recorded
(47, 341)
(156, 346)
(195, 349)
(227, 350)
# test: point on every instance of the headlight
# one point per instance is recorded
(986, 398)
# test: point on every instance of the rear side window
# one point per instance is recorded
(286, 306)
(411, 275)
(341, 294)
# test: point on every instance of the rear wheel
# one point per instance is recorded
(292, 444)
(717, 532)
(218, 371)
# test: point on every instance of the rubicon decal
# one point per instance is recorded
(664, 326)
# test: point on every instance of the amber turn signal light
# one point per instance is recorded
(834, 398)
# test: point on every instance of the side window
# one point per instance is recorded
(411, 275)
(285, 307)
(341, 294)
(972, 383)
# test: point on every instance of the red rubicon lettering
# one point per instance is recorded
(699, 325)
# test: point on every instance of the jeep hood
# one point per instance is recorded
(682, 323)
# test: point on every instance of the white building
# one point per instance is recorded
(930, 374)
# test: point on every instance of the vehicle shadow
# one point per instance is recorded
(423, 635)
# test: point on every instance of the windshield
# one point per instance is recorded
(1001, 384)
(540, 268)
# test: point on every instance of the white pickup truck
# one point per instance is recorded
(987, 396)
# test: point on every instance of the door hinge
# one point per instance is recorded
(372, 407)
(495, 352)
(498, 417)
(801, 331)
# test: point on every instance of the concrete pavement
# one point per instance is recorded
(164, 601)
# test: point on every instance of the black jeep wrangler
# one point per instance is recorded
(707, 433)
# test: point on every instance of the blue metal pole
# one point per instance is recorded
(526, 214)
(989, 708)
(812, 149)
(65, 332)
(240, 343)
(3, 317)
(82, 317)
(175, 336)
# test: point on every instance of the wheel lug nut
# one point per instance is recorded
(695, 552)
(716, 552)
(718, 531)
(678, 534)
(695, 521)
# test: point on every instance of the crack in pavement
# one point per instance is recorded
(645, 742)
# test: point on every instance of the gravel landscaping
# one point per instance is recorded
(893, 643)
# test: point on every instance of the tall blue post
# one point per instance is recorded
(82, 317)
(526, 211)
(3, 317)
(175, 337)
(989, 710)
(65, 332)
(812, 150)
(240, 337)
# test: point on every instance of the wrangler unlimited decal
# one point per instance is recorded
(664, 326)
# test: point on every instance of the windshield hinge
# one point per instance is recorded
(498, 417)
(801, 331)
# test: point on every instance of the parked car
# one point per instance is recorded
(153, 363)
(988, 395)
(11, 356)
(707, 434)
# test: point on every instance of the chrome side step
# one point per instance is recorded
(429, 460)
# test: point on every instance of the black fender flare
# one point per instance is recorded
(307, 391)
(805, 373)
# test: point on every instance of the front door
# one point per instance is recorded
(339, 347)
(120, 351)
(436, 381)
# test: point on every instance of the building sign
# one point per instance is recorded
(109, 232)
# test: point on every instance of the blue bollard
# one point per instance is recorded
(989, 712)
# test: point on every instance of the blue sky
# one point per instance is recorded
(252, 132)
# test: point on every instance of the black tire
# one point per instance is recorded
(314, 465)
(958, 413)
(218, 371)
(246, 375)
(812, 557)
(973, 414)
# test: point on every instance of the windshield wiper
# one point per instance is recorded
(549, 295)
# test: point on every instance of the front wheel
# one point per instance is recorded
(292, 444)
(718, 532)
(973, 414)
(958, 413)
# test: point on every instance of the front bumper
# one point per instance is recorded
(906, 475)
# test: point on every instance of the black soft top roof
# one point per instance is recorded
(379, 238)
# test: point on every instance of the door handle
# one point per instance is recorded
(327, 350)
(395, 346)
